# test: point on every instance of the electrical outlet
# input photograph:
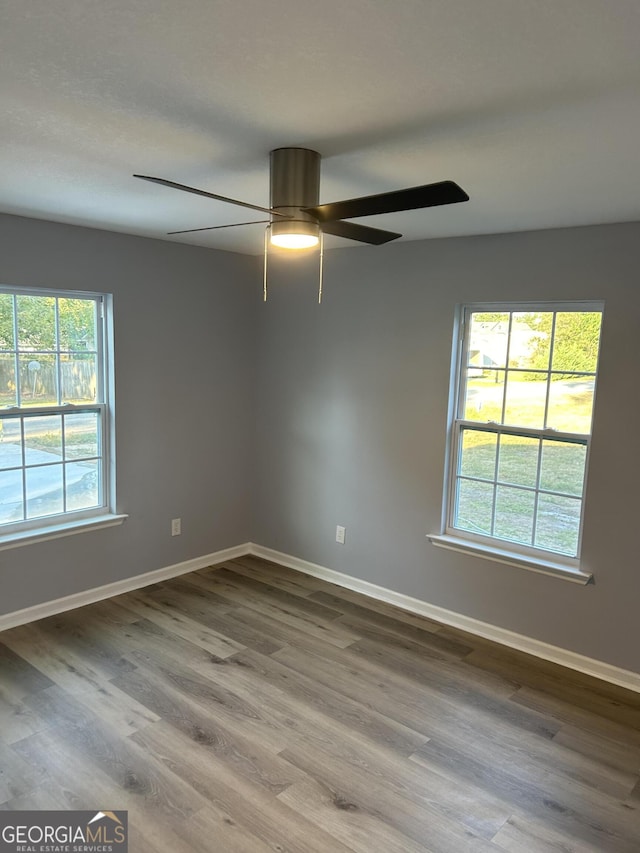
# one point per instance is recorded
(176, 526)
(340, 534)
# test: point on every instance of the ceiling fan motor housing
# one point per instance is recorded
(295, 182)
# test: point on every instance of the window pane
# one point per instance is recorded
(38, 379)
(78, 378)
(558, 524)
(576, 340)
(488, 340)
(44, 490)
(6, 321)
(82, 485)
(571, 403)
(36, 322)
(514, 514)
(10, 443)
(43, 439)
(77, 324)
(478, 454)
(11, 497)
(531, 340)
(81, 435)
(562, 468)
(484, 394)
(8, 395)
(525, 399)
(474, 506)
(518, 462)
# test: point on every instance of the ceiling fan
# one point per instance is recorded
(297, 220)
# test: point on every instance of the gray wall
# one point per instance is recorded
(352, 408)
(273, 423)
(183, 369)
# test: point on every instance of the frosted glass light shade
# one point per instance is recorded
(295, 234)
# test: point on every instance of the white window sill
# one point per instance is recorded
(55, 531)
(511, 558)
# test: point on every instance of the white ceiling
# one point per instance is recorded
(532, 106)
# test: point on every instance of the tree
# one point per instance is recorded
(575, 342)
(36, 322)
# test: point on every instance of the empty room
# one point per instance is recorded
(319, 357)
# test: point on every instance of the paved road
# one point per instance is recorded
(44, 483)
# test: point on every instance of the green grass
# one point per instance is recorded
(570, 403)
(79, 442)
(557, 524)
(562, 464)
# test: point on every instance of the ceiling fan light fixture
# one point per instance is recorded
(295, 234)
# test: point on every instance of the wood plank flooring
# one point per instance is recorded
(249, 708)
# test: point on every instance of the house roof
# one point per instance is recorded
(533, 108)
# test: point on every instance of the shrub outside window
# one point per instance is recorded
(525, 390)
(53, 408)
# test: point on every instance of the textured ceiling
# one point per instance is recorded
(532, 107)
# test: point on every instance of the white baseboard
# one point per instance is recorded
(99, 593)
(554, 654)
(572, 660)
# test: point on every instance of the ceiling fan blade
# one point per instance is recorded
(429, 195)
(362, 233)
(216, 227)
(175, 186)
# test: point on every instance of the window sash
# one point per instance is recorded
(528, 432)
(100, 458)
(495, 482)
(99, 350)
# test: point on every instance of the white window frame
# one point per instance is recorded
(490, 547)
(74, 521)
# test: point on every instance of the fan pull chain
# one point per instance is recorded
(266, 255)
(321, 266)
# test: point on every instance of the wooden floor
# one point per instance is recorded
(250, 708)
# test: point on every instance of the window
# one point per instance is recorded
(53, 410)
(521, 429)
